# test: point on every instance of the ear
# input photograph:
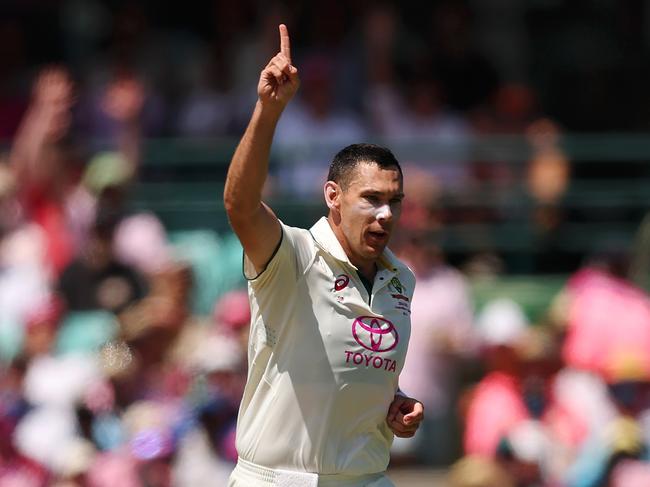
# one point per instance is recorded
(332, 192)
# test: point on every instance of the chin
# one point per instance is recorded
(374, 252)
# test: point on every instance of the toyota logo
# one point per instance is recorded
(375, 334)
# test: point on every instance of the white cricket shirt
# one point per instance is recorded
(324, 357)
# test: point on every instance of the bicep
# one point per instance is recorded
(259, 235)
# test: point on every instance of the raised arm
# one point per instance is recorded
(253, 221)
(46, 121)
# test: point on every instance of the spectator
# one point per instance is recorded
(443, 337)
(95, 280)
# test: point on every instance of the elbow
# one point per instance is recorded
(231, 197)
(236, 208)
(229, 202)
(233, 207)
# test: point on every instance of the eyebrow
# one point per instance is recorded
(374, 192)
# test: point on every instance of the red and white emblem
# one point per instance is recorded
(341, 282)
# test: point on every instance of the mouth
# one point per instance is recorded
(378, 237)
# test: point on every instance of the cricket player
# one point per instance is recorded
(330, 313)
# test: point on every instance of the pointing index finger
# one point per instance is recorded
(285, 45)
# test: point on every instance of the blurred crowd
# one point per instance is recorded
(428, 80)
(123, 343)
(368, 71)
(559, 398)
(122, 347)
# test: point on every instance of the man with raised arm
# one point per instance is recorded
(330, 314)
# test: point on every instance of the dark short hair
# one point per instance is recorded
(348, 159)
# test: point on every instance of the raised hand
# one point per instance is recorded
(53, 97)
(279, 79)
(53, 88)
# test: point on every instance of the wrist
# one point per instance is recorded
(270, 108)
(268, 113)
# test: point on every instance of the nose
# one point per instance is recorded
(384, 213)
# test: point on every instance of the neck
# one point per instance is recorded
(367, 270)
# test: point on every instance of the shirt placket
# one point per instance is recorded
(363, 292)
(382, 279)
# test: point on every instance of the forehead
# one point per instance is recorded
(368, 175)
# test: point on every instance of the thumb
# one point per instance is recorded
(415, 414)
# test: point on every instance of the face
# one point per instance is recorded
(366, 212)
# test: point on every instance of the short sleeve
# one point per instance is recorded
(291, 258)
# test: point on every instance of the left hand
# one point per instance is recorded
(404, 416)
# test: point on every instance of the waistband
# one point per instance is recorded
(248, 471)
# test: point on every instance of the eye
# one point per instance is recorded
(372, 198)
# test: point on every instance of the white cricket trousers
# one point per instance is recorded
(247, 474)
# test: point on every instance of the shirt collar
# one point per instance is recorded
(326, 239)
(324, 236)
